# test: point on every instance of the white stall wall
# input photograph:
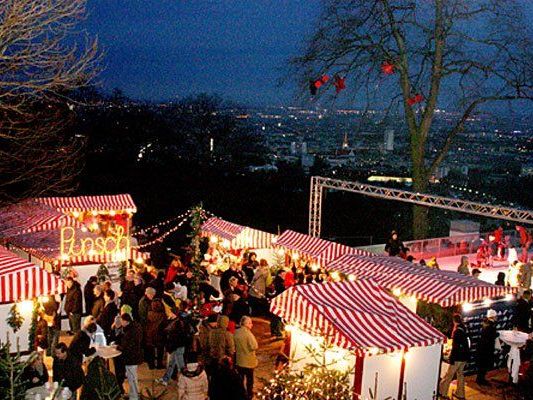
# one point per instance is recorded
(387, 368)
(422, 371)
(22, 333)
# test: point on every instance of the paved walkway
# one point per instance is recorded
(268, 349)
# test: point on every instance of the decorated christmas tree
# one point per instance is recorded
(319, 380)
(197, 218)
(12, 384)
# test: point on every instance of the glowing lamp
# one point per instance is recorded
(226, 243)
(335, 276)
(290, 328)
(25, 308)
(397, 292)
(487, 302)
(467, 307)
(94, 213)
(76, 214)
(351, 278)
(65, 257)
(43, 299)
(213, 239)
(509, 297)
(315, 267)
(281, 252)
(373, 351)
(295, 256)
(139, 260)
(112, 213)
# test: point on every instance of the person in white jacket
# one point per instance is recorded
(192, 381)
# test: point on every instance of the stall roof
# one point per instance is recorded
(46, 246)
(358, 316)
(239, 236)
(22, 280)
(445, 288)
(319, 249)
(29, 216)
(90, 203)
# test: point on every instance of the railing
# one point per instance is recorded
(448, 246)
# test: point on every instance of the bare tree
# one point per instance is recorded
(41, 63)
(453, 54)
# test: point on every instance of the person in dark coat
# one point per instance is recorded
(395, 246)
(81, 344)
(226, 383)
(132, 291)
(486, 348)
(232, 271)
(53, 319)
(98, 303)
(500, 281)
(88, 294)
(158, 283)
(36, 373)
(207, 290)
(110, 311)
(65, 370)
(459, 356)
(154, 339)
(523, 312)
(73, 304)
(250, 266)
(130, 346)
(144, 304)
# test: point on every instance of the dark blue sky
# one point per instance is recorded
(159, 49)
(163, 49)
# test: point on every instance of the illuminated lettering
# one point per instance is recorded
(116, 247)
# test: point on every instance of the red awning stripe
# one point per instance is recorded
(22, 280)
(446, 288)
(29, 216)
(119, 202)
(320, 250)
(239, 236)
(359, 316)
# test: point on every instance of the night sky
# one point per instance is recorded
(162, 49)
(165, 49)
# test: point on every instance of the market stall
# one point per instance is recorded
(93, 238)
(369, 334)
(313, 249)
(434, 294)
(234, 236)
(22, 282)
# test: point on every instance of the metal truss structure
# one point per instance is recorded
(319, 183)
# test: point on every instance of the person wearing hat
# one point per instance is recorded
(486, 347)
(476, 272)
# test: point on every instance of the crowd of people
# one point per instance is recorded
(177, 321)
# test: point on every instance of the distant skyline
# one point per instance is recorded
(167, 49)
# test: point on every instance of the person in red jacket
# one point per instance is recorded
(525, 242)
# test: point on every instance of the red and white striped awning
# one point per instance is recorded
(239, 236)
(358, 316)
(29, 216)
(446, 288)
(118, 202)
(222, 229)
(22, 280)
(315, 248)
